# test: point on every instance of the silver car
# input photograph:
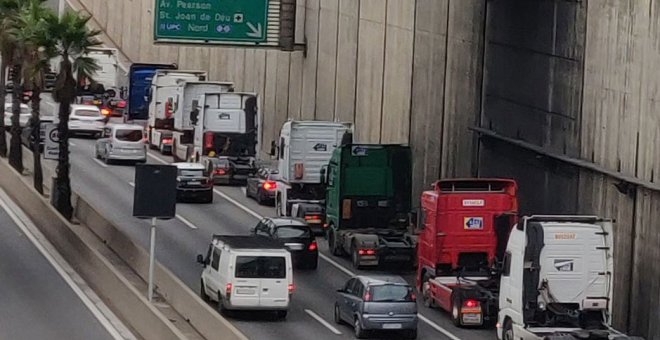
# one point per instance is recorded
(86, 119)
(122, 142)
(23, 118)
(370, 303)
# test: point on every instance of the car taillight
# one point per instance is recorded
(167, 140)
(413, 297)
(313, 246)
(471, 303)
(208, 140)
(291, 288)
(121, 104)
(312, 217)
(270, 185)
(367, 295)
(366, 252)
(228, 290)
(105, 112)
(220, 171)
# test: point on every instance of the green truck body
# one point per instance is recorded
(368, 201)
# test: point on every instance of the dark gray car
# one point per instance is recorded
(385, 303)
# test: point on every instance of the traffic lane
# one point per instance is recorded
(440, 317)
(177, 244)
(36, 301)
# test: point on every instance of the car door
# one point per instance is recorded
(345, 300)
(214, 283)
(102, 144)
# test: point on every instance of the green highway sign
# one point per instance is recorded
(220, 21)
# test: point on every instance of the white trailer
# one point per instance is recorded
(556, 280)
(161, 94)
(107, 59)
(304, 148)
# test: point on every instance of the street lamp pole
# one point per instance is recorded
(152, 256)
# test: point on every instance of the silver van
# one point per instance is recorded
(369, 303)
(121, 142)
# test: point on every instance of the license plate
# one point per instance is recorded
(245, 291)
(314, 221)
(194, 182)
(392, 326)
(472, 318)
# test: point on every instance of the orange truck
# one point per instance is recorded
(465, 225)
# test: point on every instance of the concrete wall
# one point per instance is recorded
(404, 71)
(580, 78)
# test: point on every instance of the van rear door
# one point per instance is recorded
(274, 282)
(247, 282)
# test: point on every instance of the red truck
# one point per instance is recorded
(465, 228)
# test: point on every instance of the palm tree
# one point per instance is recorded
(38, 47)
(74, 40)
(8, 9)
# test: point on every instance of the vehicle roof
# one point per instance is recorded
(381, 279)
(287, 221)
(22, 105)
(84, 107)
(248, 242)
(189, 165)
(126, 126)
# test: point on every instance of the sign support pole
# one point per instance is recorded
(152, 255)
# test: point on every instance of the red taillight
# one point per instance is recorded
(121, 104)
(366, 252)
(313, 246)
(167, 140)
(413, 297)
(371, 252)
(312, 217)
(220, 171)
(208, 140)
(291, 288)
(228, 289)
(471, 303)
(270, 185)
(367, 295)
(361, 252)
(105, 112)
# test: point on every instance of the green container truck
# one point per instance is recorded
(368, 204)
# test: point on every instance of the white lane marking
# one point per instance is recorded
(99, 162)
(437, 327)
(157, 158)
(108, 320)
(323, 322)
(244, 190)
(327, 259)
(186, 222)
(131, 184)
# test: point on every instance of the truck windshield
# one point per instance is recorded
(391, 293)
(292, 232)
(260, 267)
(129, 135)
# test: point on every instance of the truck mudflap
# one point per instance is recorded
(369, 249)
(477, 304)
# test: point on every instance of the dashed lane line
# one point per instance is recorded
(322, 321)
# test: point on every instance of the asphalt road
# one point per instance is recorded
(109, 188)
(37, 302)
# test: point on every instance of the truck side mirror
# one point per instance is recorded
(200, 259)
(324, 174)
(273, 147)
(194, 114)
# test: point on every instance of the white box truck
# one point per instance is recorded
(225, 127)
(161, 95)
(106, 59)
(556, 280)
(303, 149)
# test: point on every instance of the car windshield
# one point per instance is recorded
(129, 135)
(391, 293)
(191, 172)
(292, 232)
(264, 267)
(87, 113)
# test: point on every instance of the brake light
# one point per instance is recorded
(220, 171)
(228, 290)
(208, 140)
(471, 303)
(366, 252)
(105, 112)
(121, 104)
(270, 185)
(312, 217)
(291, 287)
(167, 140)
(371, 252)
(367, 295)
(313, 246)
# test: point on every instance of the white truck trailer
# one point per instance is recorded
(304, 148)
(164, 87)
(107, 59)
(556, 281)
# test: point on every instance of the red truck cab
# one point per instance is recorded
(465, 227)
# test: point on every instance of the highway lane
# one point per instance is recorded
(37, 301)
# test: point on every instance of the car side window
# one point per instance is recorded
(358, 291)
(107, 133)
(349, 286)
(216, 259)
(506, 264)
(262, 229)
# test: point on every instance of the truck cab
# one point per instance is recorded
(556, 279)
(464, 226)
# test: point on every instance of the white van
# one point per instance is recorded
(247, 273)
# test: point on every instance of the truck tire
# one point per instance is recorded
(278, 205)
(355, 258)
(202, 292)
(332, 242)
(174, 156)
(456, 311)
(507, 330)
(426, 292)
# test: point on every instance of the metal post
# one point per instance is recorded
(60, 7)
(152, 256)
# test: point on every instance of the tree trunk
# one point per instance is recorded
(15, 149)
(3, 93)
(36, 126)
(62, 194)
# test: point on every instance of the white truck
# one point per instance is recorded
(164, 86)
(106, 59)
(304, 148)
(556, 281)
(225, 127)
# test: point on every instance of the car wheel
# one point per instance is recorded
(281, 314)
(202, 292)
(221, 305)
(411, 334)
(314, 265)
(507, 330)
(209, 198)
(247, 190)
(98, 156)
(260, 198)
(455, 311)
(359, 332)
(337, 315)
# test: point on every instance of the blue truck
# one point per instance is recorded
(139, 78)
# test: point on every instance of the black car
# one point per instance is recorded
(295, 235)
(263, 185)
(192, 183)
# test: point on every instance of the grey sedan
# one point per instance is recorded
(384, 303)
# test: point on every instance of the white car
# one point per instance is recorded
(86, 119)
(247, 273)
(24, 117)
(122, 142)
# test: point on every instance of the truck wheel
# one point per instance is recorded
(355, 258)
(332, 241)
(507, 330)
(278, 205)
(456, 310)
(202, 292)
(426, 292)
(174, 156)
